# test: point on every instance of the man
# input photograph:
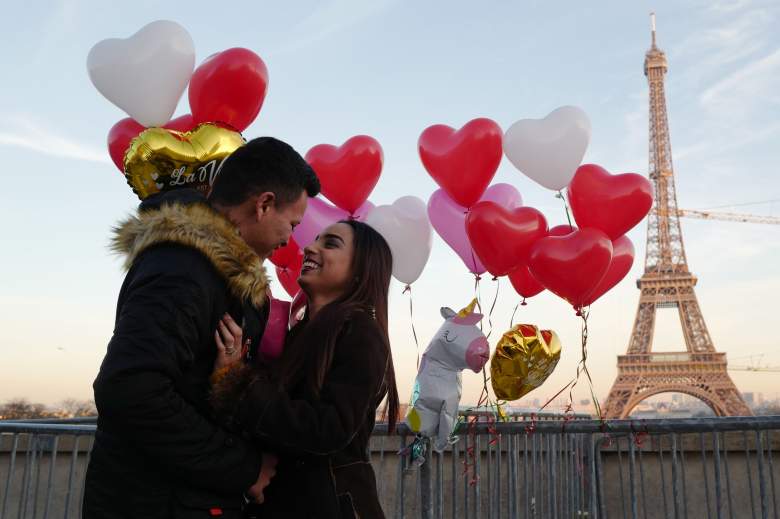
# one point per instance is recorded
(157, 453)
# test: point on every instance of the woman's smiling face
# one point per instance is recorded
(327, 263)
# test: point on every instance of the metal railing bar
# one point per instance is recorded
(454, 464)
(675, 478)
(550, 482)
(771, 474)
(749, 473)
(620, 473)
(642, 481)
(399, 489)
(497, 480)
(71, 476)
(37, 458)
(25, 481)
(489, 470)
(728, 478)
(761, 477)
(90, 444)
(631, 476)
(477, 490)
(592, 472)
(716, 469)
(525, 478)
(440, 485)
(704, 475)
(466, 486)
(50, 485)
(11, 468)
(512, 483)
(683, 473)
(663, 475)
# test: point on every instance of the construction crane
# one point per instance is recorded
(769, 369)
(728, 217)
(708, 214)
(754, 364)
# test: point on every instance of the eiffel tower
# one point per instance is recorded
(667, 283)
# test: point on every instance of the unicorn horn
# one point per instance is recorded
(469, 309)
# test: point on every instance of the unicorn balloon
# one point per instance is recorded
(459, 344)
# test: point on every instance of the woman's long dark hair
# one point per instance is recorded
(372, 266)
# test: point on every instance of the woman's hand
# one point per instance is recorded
(229, 338)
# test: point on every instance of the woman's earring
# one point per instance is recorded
(372, 310)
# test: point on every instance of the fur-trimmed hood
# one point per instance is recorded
(198, 226)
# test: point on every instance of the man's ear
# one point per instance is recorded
(264, 202)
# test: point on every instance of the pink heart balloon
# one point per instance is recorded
(272, 343)
(449, 220)
(320, 214)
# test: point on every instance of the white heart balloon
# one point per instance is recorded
(145, 74)
(406, 227)
(549, 150)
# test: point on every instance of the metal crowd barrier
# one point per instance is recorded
(532, 468)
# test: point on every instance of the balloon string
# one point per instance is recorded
(477, 279)
(411, 319)
(469, 461)
(566, 207)
(582, 367)
(493, 307)
(512, 319)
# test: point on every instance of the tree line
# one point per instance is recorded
(22, 409)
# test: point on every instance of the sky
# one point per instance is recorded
(390, 69)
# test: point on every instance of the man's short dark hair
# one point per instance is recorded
(263, 164)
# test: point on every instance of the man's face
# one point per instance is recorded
(271, 225)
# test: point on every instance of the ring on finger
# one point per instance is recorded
(230, 351)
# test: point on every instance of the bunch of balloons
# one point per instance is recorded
(487, 225)
(145, 75)
(348, 175)
(490, 229)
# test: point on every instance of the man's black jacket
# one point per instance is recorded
(158, 452)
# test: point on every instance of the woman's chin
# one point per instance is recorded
(305, 281)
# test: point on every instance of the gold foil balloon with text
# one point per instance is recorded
(524, 358)
(162, 160)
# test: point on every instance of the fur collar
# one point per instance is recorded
(200, 227)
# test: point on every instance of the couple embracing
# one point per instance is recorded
(193, 423)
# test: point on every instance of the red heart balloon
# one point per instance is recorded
(611, 203)
(348, 173)
(524, 283)
(561, 230)
(622, 259)
(119, 137)
(571, 266)
(288, 277)
(502, 238)
(229, 87)
(462, 162)
(183, 123)
(122, 133)
(288, 256)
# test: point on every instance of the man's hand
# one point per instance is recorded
(267, 472)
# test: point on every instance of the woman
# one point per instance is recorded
(315, 407)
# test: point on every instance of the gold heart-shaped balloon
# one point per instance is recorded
(161, 160)
(524, 358)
